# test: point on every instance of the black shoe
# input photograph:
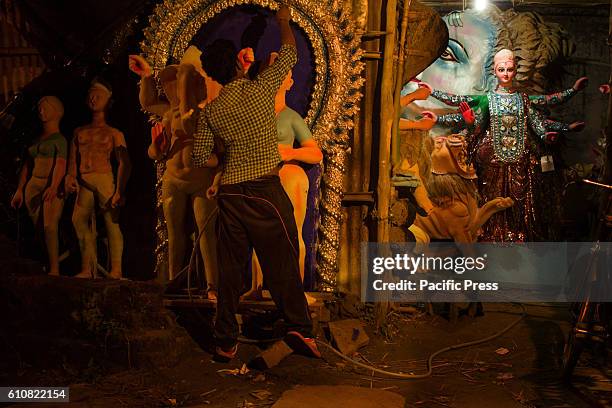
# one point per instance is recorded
(305, 346)
(225, 356)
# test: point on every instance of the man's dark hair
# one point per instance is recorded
(219, 61)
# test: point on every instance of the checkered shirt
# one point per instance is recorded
(243, 117)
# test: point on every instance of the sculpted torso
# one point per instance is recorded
(44, 159)
(42, 168)
(179, 162)
(95, 147)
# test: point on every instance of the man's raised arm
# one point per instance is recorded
(283, 16)
(272, 77)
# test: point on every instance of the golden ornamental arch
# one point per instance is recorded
(334, 98)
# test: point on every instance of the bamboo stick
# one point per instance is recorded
(395, 137)
(386, 121)
(344, 254)
(383, 189)
(371, 87)
(349, 249)
(353, 219)
(353, 213)
(365, 122)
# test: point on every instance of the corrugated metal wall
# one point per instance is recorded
(19, 61)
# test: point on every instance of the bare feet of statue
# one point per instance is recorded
(54, 272)
(211, 295)
(115, 274)
(84, 275)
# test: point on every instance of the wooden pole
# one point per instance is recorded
(353, 224)
(349, 274)
(371, 88)
(395, 139)
(374, 16)
(383, 190)
(386, 122)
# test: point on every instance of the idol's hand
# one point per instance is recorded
(427, 122)
(422, 124)
(577, 126)
(139, 66)
(426, 85)
(430, 116)
(212, 191)
(71, 184)
(118, 200)
(17, 200)
(468, 113)
(286, 153)
(604, 89)
(422, 92)
(551, 137)
(50, 193)
(581, 83)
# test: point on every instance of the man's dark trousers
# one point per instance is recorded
(258, 214)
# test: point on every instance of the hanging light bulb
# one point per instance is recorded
(480, 4)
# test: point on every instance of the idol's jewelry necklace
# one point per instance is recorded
(505, 89)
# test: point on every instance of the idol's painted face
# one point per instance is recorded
(45, 110)
(461, 68)
(97, 99)
(505, 72)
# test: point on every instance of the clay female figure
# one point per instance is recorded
(505, 150)
(291, 127)
(90, 174)
(45, 167)
(183, 185)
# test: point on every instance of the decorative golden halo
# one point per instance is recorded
(334, 98)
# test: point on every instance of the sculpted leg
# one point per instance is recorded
(33, 199)
(83, 211)
(51, 216)
(50, 219)
(295, 183)
(447, 222)
(202, 209)
(105, 185)
(420, 194)
(174, 204)
(491, 207)
(115, 240)
(255, 293)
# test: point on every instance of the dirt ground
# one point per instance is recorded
(525, 374)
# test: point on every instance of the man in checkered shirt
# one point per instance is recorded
(254, 210)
